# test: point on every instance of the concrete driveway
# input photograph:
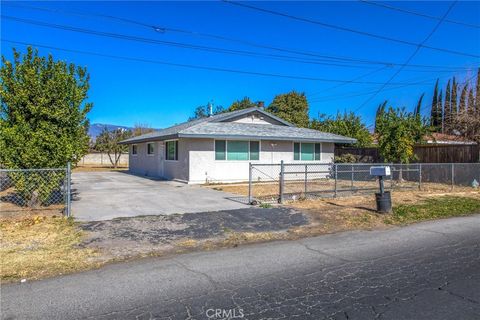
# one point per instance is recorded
(108, 195)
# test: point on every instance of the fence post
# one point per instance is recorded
(306, 172)
(351, 185)
(335, 169)
(281, 185)
(420, 176)
(250, 183)
(453, 174)
(69, 189)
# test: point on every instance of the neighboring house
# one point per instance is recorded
(219, 148)
(448, 139)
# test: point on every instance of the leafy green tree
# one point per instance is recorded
(203, 111)
(292, 107)
(398, 133)
(440, 110)
(245, 103)
(43, 111)
(43, 121)
(346, 124)
(108, 142)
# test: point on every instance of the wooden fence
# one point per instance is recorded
(424, 154)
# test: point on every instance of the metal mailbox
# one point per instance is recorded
(380, 171)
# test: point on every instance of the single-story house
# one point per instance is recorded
(219, 148)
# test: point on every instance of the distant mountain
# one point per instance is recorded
(97, 128)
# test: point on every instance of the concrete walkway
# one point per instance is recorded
(108, 195)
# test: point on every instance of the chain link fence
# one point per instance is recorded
(35, 191)
(280, 182)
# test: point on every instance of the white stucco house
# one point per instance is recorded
(219, 148)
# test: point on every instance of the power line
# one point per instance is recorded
(354, 79)
(363, 93)
(341, 28)
(164, 29)
(409, 58)
(187, 65)
(419, 14)
(176, 44)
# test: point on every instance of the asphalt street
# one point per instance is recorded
(429, 270)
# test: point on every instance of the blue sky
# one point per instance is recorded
(132, 92)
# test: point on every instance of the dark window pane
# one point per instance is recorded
(317, 151)
(220, 150)
(296, 151)
(254, 150)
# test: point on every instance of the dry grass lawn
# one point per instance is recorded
(358, 212)
(41, 246)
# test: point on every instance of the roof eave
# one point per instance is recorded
(148, 139)
(276, 138)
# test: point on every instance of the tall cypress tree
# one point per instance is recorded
(418, 109)
(440, 111)
(462, 106)
(477, 94)
(379, 114)
(454, 98)
(471, 102)
(434, 110)
(447, 109)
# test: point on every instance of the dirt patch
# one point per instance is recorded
(140, 236)
(269, 190)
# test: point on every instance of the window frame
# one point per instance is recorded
(314, 151)
(148, 153)
(175, 141)
(226, 150)
(134, 147)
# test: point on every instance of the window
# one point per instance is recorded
(237, 150)
(150, 148)
(134, 149)
(171, 150)
(254, 150)
(220, 149)
(306, 151)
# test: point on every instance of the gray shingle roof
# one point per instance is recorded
(213, 127)
(232, 130)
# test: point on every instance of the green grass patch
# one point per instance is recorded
(435, 208)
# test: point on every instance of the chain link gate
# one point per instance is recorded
(35, 191)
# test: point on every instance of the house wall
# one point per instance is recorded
(143, 164)
(196, 161)
(156, 166)
(204, 168)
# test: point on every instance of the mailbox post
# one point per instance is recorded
(383, 198)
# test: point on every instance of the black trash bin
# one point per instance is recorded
(384, 201)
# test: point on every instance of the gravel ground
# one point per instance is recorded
(125, 237)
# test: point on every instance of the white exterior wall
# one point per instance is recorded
(204, 168)
(143, 164)
(196, 161)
